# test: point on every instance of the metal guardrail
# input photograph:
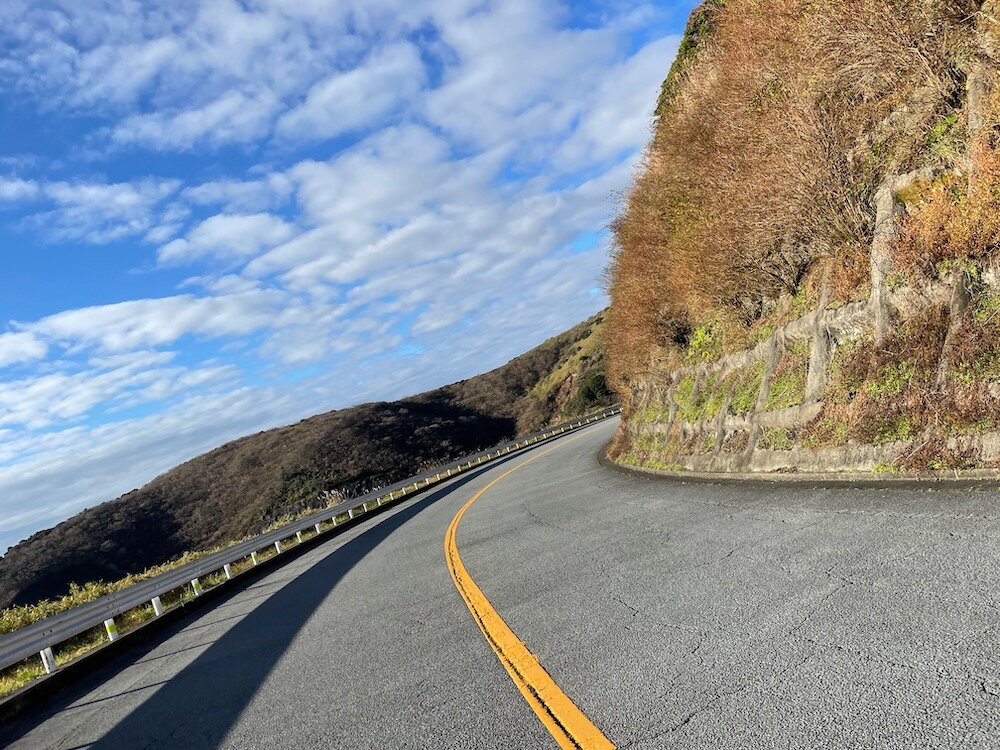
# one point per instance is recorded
(40, 637)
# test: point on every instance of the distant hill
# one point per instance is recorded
(245, 485)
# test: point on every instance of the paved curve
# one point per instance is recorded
(673, 615)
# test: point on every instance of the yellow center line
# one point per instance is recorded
(568, 724)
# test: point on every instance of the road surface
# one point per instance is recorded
(671, 615)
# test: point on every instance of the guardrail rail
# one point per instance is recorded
(42, 636)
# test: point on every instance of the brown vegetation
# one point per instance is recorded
(777, 126)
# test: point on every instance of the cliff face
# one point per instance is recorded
(806, 271)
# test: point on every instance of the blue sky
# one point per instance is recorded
(221, 216)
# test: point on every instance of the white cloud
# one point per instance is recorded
(234, 117)
(17, 348)
(358, 98)
(154, 322)
(227, 236)
(618, 112)
(16, 190)
(94, 212)
(242, 195)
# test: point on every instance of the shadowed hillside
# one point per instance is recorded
(242, 487)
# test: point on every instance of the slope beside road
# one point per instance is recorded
(672, 615)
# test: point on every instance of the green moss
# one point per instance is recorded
(634, 459)
(896, 280)
(705, 343)
(946, 138)
(986, 370)
(955, 429)
(891, 380)
(746, 390)
(665, 466)
(654, 442)
(900, 428)
(949, 266)
(763, 332)
(882, 468)
(710, 443)
(651, 415)
(987, 306)
(776, 439)
(828, 431)
(788, 383)
(717, 399)
(696, 402)
(685, 399)
(801, 304)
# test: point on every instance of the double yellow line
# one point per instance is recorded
(568, 724)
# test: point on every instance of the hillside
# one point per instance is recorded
(243, 486)
(806, 267)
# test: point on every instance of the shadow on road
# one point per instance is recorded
(198, 707)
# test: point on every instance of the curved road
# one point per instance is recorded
(672, 615)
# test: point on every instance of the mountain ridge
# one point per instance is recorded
(244, 485)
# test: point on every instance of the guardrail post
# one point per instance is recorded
(48, 660)
(318, 530)
(277, 546)
(228, 570)
(112, 629)
(392, 496)
(350, 512)
(196, 587)
(255, 557)
(298, 537)
(158, 608)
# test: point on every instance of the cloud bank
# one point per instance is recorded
(269, 209)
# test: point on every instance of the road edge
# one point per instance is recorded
(979, 479)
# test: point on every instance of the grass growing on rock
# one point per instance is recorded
(788, 382)
(746, 390)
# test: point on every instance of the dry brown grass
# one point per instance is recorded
(956, 220)
(777, 129)
(891, 392)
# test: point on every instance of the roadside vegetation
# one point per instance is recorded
(778, 131)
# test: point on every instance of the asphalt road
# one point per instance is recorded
(673, 615)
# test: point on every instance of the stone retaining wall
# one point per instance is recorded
(742, 411)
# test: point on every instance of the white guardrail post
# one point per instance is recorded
(48, 660)
(41, 637)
